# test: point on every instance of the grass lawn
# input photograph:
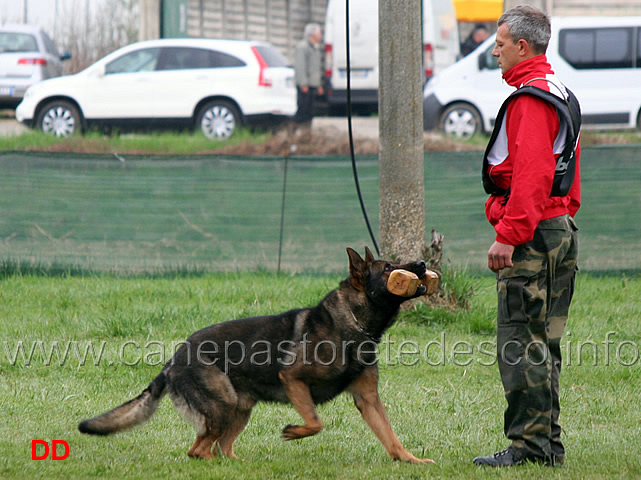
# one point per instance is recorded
(172, 143)
(446, 404)
(73, 346)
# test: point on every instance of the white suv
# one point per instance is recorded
(214, 85)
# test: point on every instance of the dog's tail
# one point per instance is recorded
(129, 414)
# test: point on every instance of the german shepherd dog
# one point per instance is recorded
(304, 357)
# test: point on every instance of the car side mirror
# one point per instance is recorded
(487, 61)
(65, 56)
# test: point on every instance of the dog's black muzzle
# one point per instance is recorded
(419, 268)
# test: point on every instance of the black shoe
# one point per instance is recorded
(505, 458)
(510, 458)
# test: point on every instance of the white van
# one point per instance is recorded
(598, 58)
(440, 47)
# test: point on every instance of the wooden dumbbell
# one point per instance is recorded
(405, 283)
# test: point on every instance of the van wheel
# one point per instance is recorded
(59, 118)
(461, 119)
(218, 120)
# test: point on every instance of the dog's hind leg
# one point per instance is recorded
(301, 398)
(223, 443)
(201, 447)
(212, 428)
(365, 392)
(226, 441)
(219, 419)
(208, 399)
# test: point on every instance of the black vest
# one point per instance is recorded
(569, 113)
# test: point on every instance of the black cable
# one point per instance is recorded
(349, 128)
(282, 215)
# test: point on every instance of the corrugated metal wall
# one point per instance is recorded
(280, 22)
(567, 8)
(600, 8)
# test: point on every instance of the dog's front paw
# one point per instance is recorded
(408, 457)
(294, 432)
(422, 460)
(289, 432)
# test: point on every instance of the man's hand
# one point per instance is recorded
(499, 256)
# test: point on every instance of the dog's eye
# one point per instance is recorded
(389, 268)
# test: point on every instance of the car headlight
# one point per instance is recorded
(429, 86)
(433, 82)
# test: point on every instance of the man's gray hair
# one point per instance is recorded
(530, 24)
(311, 29)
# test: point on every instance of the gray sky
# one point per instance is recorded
(41, 12)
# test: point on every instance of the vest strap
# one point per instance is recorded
(569, 112)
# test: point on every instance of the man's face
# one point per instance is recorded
(317, 37)
(480, 35)
(505, 49)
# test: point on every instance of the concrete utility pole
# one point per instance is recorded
(400, 107)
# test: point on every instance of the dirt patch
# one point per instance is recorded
(333, 142)
(330, 141)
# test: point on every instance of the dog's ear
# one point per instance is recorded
(356, 267)
(369, 257)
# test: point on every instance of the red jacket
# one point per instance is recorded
(531, 127)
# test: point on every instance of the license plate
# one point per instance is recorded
(6, 91)
(356, 72)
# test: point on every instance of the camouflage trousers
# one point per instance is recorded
(533, 301)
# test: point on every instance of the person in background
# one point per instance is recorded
(474, 39)
(535, 251)
(307, 63)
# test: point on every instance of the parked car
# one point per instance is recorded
(595, 57)
(27, 56)
(215, 85)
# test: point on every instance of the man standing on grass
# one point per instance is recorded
(531, 171)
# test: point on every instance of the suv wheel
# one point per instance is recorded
(218, 120)
(59, 118)
(461, 119)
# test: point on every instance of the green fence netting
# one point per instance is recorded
(151, 214)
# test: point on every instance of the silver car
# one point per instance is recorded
(27, 56)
